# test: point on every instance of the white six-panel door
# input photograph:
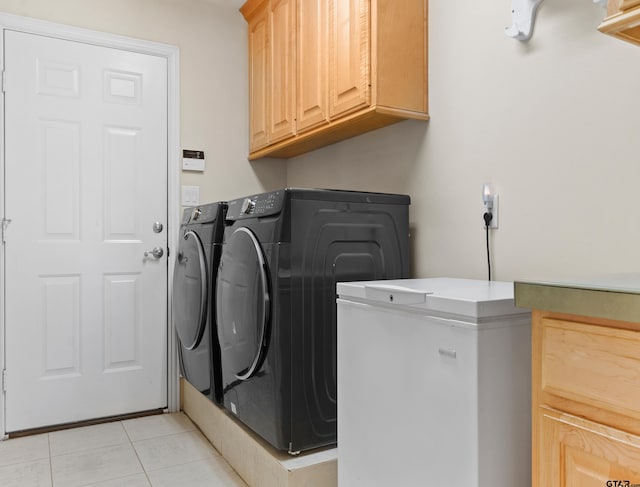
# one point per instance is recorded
(85, 180)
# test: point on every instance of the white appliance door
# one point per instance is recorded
(407, 409)
(86, 178)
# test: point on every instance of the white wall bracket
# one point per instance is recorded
(523, 13)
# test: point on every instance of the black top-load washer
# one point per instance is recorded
(283, 254)
(194, 278)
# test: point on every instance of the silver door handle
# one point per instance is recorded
(157, 252)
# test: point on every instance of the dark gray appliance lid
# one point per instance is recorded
(271, 203)
(348, 196)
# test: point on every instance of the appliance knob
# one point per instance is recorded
(196, 214)
(247, 206)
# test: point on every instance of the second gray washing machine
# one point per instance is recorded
(193, 299)
(282, 255)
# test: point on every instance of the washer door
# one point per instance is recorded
(190, 291)
(243, 306)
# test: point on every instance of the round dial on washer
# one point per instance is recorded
(247, 206)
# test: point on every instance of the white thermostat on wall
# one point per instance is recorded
(193, 160)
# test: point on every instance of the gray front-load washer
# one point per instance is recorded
(194, 308)
(282, 255)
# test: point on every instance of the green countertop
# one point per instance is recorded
(615, 297)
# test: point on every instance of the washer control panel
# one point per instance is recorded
(204, 213)
(256, 206)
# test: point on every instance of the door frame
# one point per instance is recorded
(102, 39)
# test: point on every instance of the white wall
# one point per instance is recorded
(213, 78)
(551, 123)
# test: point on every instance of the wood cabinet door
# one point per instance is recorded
(578, 453)
(258, 73)
(591, 371)
(282, 83)
(349, 56)
(628, 4)
(313, 74)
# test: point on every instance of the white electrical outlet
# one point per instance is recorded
(494, 212)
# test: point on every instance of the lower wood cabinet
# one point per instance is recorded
(580, 453)
(586, 401)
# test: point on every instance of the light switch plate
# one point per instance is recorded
(190, 195)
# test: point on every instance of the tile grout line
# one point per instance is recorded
(50, 461)
(144, 470)
(74, 452)
(190, 431)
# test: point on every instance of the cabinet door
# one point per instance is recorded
(313, 35)
(282, 85)
(258, 72)
(627, 4)
(590, 371)
(578, 453)
(349, 56)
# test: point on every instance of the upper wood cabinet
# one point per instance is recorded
(623, 4)
(349, 56)
(312, 81)
(623, 20)
(258, 46)
(272, 60)
(336, 69)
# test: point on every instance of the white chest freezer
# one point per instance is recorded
(434, 384)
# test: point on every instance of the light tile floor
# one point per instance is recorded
(161, 450)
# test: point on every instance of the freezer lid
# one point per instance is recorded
(458, 297)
